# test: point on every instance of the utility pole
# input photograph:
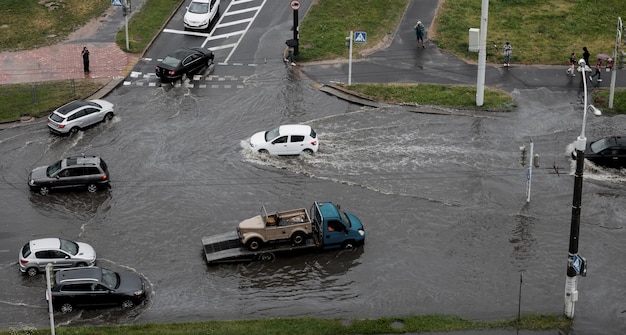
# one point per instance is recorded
(482, 54)
(577, 265)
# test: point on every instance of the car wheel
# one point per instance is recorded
(255, 243)
(44, 190)
(127, 304)
(74, 130)
(66, 308)
(267, 257)
(108, 117)
(32, 272)
(308, 151)
(264, 152)
(298, 238)
(91, 188)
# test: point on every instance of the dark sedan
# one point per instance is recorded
(184, 63)
(608, 152)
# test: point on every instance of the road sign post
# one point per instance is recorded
(295, 5)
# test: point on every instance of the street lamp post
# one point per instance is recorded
(576, 265)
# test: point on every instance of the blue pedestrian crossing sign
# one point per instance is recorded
(116, 3)
(360, 37)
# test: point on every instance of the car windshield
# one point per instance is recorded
(272, 134)
(600, 145)
(198, 8)
(171, 61)
(345, 218)
(110, 278)
(69, 247)
(52, 169)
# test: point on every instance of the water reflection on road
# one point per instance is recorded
(442, 199)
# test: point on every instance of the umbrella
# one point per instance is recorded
(291, 43)
(602, 56)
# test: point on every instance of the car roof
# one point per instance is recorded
(82, 160)
(45, 243)
(294, 129)
(92, 273)
(72, 106)
(201, 1)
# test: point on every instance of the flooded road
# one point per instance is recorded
(442, 198)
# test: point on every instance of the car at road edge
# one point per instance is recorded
(79, 114)
(95, 287)
(201, 13)
(608, 152)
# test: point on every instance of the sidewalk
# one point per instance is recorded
(63, 61)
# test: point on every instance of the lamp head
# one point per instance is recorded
(581, 62)
(595, 111)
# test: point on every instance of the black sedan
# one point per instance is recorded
(608, 152)
(184, 63)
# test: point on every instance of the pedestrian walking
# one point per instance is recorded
(85, 54)
(419, 33)
(598, 71)
(586, 56)
(508, 50)
(571, 70)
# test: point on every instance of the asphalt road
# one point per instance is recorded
(442, 197)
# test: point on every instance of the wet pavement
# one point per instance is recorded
(442, 198)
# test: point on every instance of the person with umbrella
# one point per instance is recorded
(289, 51)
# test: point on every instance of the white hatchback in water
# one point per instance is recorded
(286, 140)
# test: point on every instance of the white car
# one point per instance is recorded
(289, 139)
(36, 254)
(79, 114)
(200, 14)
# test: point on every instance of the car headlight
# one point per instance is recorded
(31, 182)
(361, 232)
(138, 293)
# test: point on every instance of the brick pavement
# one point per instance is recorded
(63, 61)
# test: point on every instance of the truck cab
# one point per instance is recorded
(336, 228)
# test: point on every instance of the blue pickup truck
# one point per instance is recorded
(332, 228)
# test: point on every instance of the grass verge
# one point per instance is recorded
(453, 96)
(145, 24)
(315, 326)
(29, 24)
(39, 99)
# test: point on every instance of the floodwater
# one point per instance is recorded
(442, 197)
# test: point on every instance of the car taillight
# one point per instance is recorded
(104, 177)
(171, 73)
(313, 142)
(61, 126)
(24, 261)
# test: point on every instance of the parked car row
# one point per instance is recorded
(77, 282)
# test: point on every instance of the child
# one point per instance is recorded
(572, 63)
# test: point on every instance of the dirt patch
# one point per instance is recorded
(91, 27)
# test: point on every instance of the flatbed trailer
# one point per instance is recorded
(332, 228)
(227, 248)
